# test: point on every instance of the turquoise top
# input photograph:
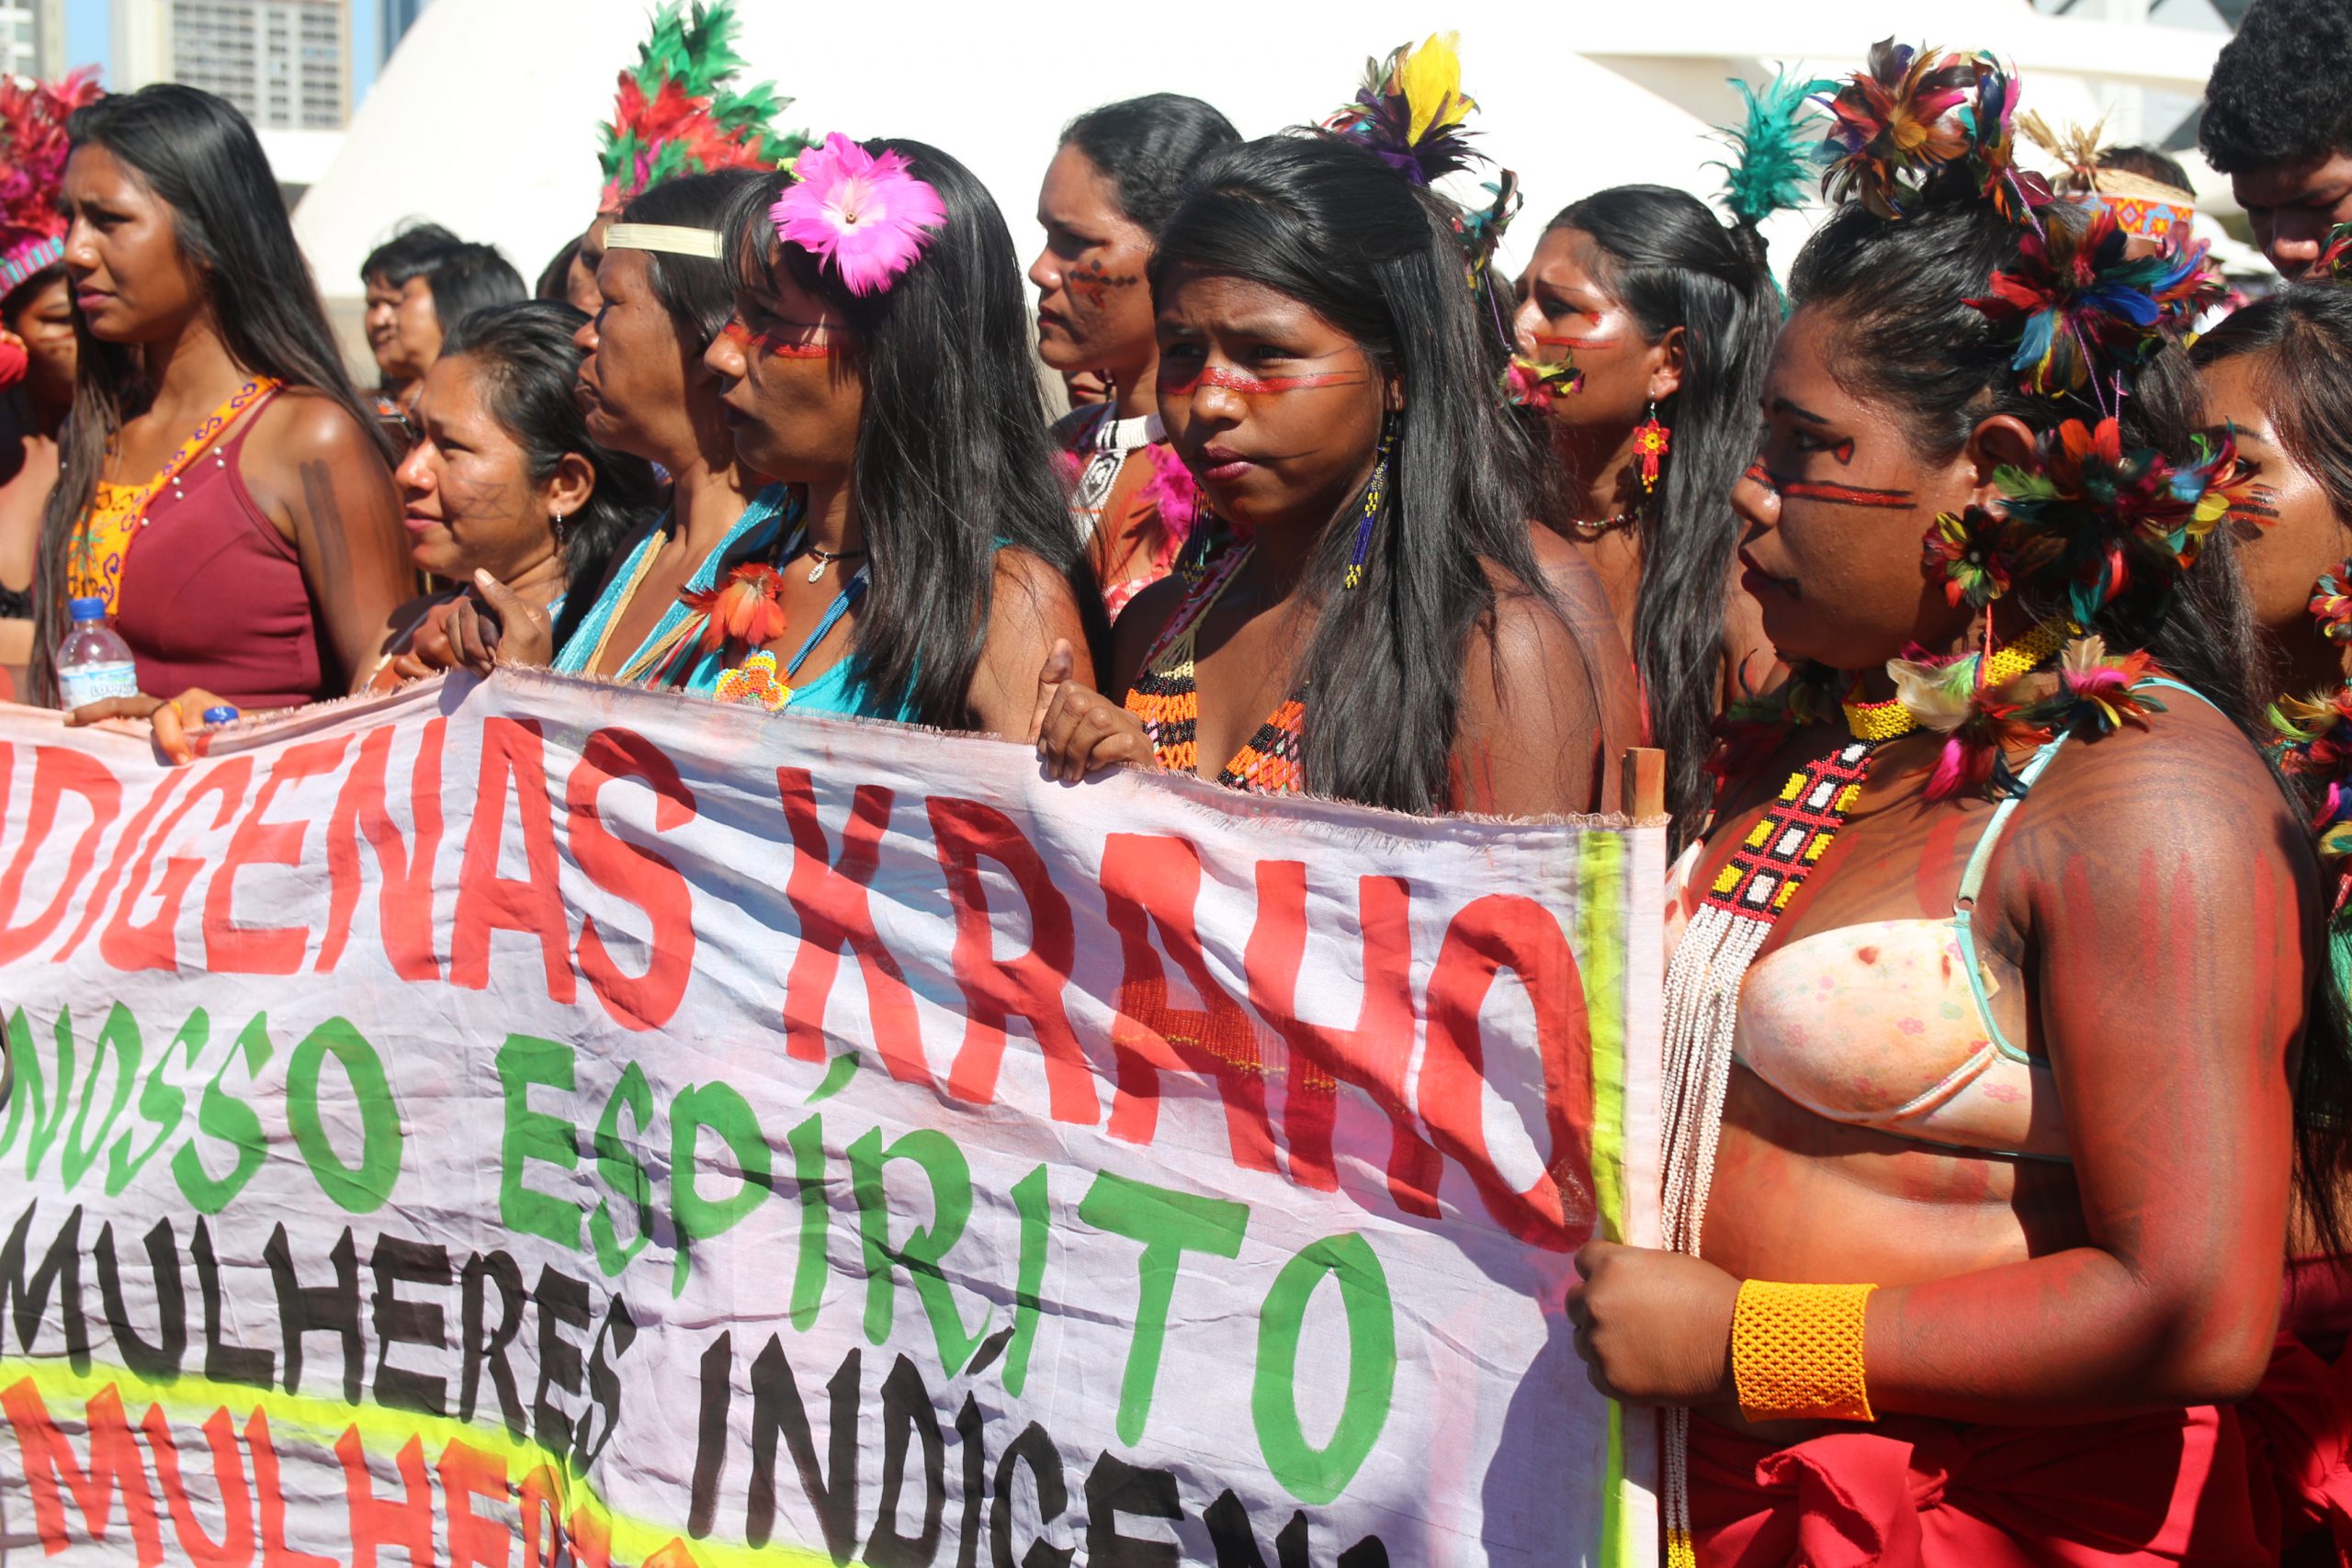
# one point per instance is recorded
(689, 668)
(835, 692)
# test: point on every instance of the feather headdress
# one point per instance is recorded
(680, 111)
(2314, 744)
(33, 147)
(1771, 167)
(2334, 264)
(2087, 304)
(1411, 108)
(2100, 511)
(1910, 114)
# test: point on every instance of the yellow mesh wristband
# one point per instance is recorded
(1796, 1351)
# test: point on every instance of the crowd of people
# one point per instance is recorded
(1981, 576)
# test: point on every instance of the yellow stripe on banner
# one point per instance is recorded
(383, 1433)
(1600, 937)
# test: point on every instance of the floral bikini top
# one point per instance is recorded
(1166, 697)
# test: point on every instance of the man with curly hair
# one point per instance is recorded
(2279, 122)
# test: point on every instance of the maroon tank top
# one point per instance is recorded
(213, 597)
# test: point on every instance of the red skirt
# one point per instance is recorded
(2179, 1486)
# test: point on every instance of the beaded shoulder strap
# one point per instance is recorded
(1747, 898)
(1164, 695)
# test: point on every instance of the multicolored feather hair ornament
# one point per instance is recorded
(1909, 115)
(1410, 110)
(1772, 162)
(2334, 264)
(2089, 303)
(2312, 745)
(2098, 511)
(680, 111)
(33, 148)
(2331, 604)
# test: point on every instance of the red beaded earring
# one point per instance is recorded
(1651, 439)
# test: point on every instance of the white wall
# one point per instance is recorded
(485, 119)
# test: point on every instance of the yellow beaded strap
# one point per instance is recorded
(1796, 1352)
(1889, 720)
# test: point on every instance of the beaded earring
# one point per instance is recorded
(1651, 439)
(561, 533)
(1375, 496)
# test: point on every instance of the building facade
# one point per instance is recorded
(285, 63)
(32, 38)
(398, 17)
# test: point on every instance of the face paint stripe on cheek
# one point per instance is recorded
(1834, 496)
(1093, 281)
(1249, 386)
(763, 343)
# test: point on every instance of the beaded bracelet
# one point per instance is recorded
(1796, 1351)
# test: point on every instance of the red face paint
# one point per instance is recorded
(2257, 506)
(1834, 495)
(1573, 344)
(750, 341)
(1249, 386)
(1094, 282)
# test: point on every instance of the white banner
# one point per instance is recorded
(540, 1122)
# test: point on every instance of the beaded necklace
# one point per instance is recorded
(1745, 900)
(1166, 697)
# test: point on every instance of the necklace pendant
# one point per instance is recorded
(818, 570)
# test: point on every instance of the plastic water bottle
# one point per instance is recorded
(93, 661)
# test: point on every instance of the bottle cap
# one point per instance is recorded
(92, 609)
(225, 714)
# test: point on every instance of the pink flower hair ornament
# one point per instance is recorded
(862, 213)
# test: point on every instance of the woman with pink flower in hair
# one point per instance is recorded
(878, 359)
(1118, 175)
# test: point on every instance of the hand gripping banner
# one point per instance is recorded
(537, 1122)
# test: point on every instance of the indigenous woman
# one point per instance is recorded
(647, 394)
(1119, 173)
(1646, 323)
(36, 340)
(1979, 1082)
(504, 478)
(2280, 374)
(404, 330)
(223, 491)
(1384, 636)
(1668, 317)
(877, 358)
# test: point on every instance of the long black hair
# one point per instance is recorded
(201, 158)
(1673, 264)
(693, 289)
(1897, 296)
(528, 362)
(1329, 224)
(1147, 148)
(953, 462)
